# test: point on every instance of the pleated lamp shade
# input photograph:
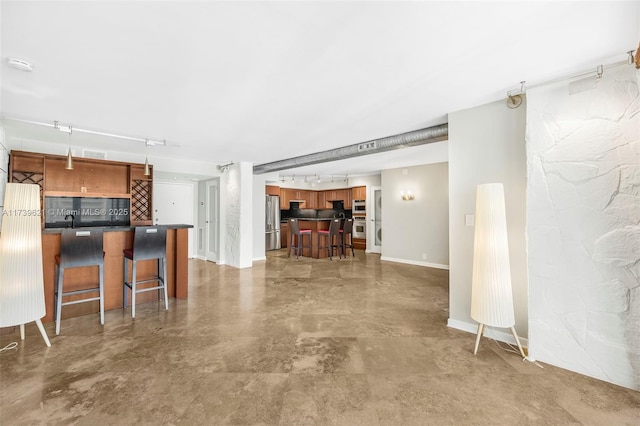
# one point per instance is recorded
(21, 277)
(491, 295)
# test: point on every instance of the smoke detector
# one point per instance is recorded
(20, 64)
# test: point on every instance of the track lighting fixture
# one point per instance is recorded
(315, 178)
(224, 167)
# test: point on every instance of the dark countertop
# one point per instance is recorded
(310, 219)
(112, 228)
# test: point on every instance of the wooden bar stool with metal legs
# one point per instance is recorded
(149, 243)
(347, 231)
(332, 237)
(297, 236)
(79, 248)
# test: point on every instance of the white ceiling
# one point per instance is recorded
(265, 81)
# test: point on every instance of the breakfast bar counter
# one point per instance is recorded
(315, 225)
(115, 240)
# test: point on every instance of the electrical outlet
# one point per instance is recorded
(424, 256)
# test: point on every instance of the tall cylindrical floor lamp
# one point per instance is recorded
(21, 276)
(491, 296)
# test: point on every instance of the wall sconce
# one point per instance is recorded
(407, 196)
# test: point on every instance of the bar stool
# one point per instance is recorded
(297, 234)
(333, 237)
(149, 242)
(79, 248)
(347, 231)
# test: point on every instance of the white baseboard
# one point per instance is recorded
(415, 262)
(493, 333)
(199, 257)
(259, 259)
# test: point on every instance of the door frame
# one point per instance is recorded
(212, 206)
(371, 226)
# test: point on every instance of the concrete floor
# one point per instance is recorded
(355, 341)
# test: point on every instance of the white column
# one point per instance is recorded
(238, 227)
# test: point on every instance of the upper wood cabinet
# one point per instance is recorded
(312, 200)
(89, 178)
(359, 193)
(317, 199)
(332, 195)
(347, 199)
(321, 199)
(287, 195)
(284, 198)
(272, 190)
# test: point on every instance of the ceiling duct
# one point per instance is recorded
(404, 140)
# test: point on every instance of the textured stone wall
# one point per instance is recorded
(232, 216)
(583, 227)
(4, 169)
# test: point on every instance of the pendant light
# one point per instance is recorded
(147, 170)
(69, 165)
(68, 130)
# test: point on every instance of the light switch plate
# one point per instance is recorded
(469, 220)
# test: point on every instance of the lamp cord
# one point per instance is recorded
(12, 345)
(513, 349)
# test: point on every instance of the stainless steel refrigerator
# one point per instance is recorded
(272, 223)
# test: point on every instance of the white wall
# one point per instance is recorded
(583, 209)
(416, 231)
(486, 144)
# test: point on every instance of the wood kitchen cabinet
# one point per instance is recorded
(287, 195)
(284, 199)
(272, 190)
(88, 178)
(347, 199)
(359, 193)
(332, 195)
(312, 200)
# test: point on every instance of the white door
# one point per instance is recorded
(173, 204)
(212, 221)
(375, 222)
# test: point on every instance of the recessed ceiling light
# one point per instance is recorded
(20, 64)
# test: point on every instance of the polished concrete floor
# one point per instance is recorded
(307, 342)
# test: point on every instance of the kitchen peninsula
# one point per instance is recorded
(314, 210)
(114, 196)
(115, 240)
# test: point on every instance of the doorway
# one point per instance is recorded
(173, 204)
(212, 221)
(375, 230)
